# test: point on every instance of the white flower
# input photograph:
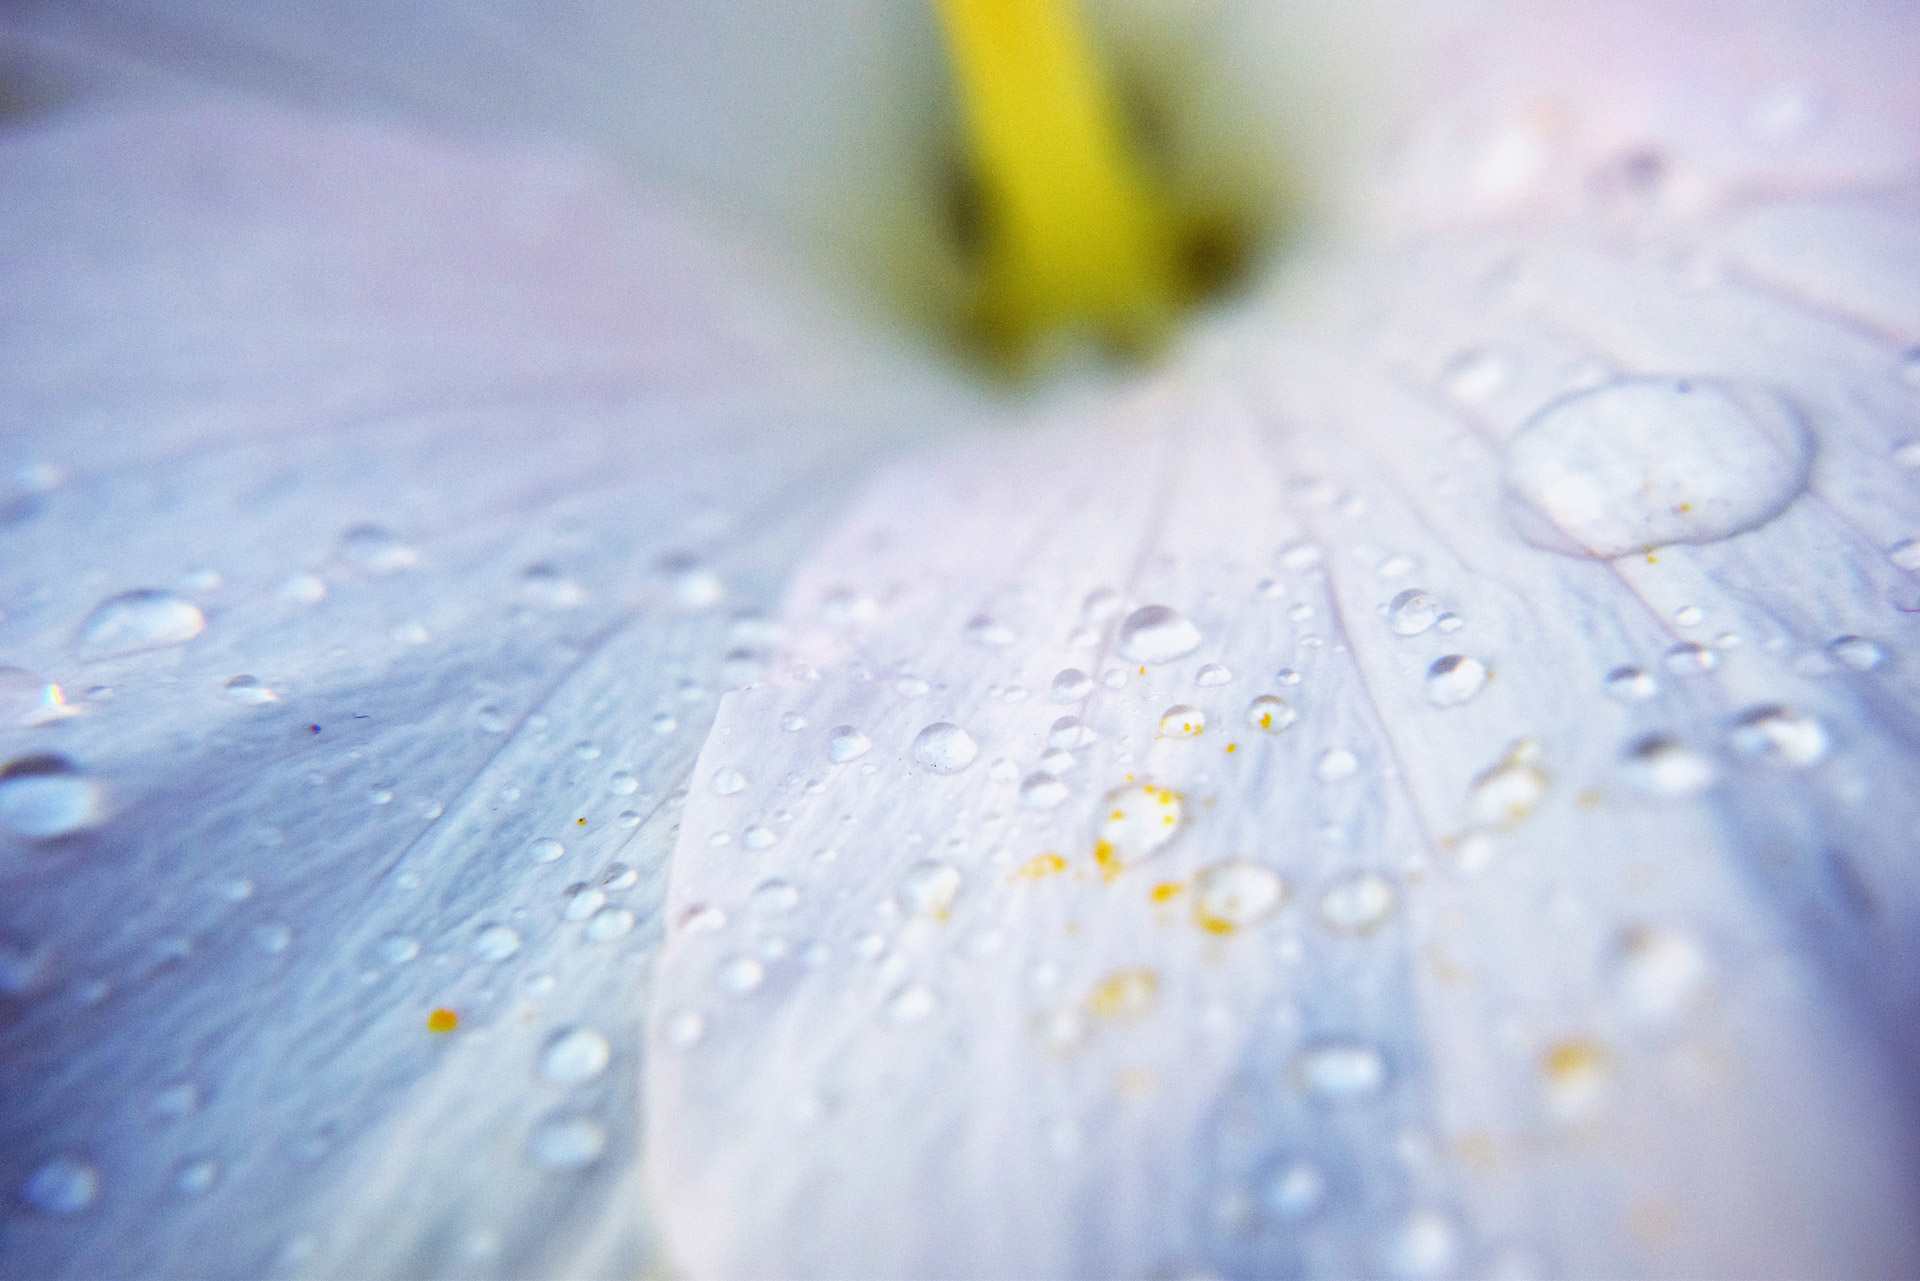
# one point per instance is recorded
(400, 483)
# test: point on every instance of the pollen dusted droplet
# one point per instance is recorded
(1137, 822)
(1182, 722)
(1233, 894)
(1270, 713)
(1504, 795)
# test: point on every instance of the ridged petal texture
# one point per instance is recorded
(1421, 785)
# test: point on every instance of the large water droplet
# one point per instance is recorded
(135, 621)
(1234, 893)
(1666, 768)
(1270, 712)
(1157, 634)
(1071, 685)
(1779, 736)
(845, 743)
(44, 798)
(1644, 462)
(63, 1185)
(944, 748)
(929, 889)
(1454, 680)
(373, 549)
(1412, 612)
(575, 1056)
(1339, 1071)
(1068, 733)
(1137, 822)
(1182, 721)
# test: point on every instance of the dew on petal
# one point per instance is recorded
(1212, 674)
(1358, 903)
(758, 837)
(569, 1144)
(134, 622)
(575, 1056)
(1182, 721)
(544, 587)
(63, 1185)
(47, 797)
(194, 1178)
(610, 923)
(302, 589)
(1270, 713)
(496, 942)
(845, 743)
(249, 691)
(398, 949)
(1665, 768)
(546, 850)
(1157, 634)
(1042, 791)
(622, 783)
(1855, 653)
(1779, 736)
(1659, 973)
(727, 781)
(1505, 794)
(1070, 686)
(1425, 1243)
(1233, 894)
(1455, 679)
(1137, 823)
(1905, 553)
(374, 549)
(694, 587)
(1690, 659)
(944, 748)
(1412, 612)
(1336, 764)
(741, 975)
(1629, 684)
(1297, 1191)
(989, 633)
(1068, 733)
(1644, 462)
(683, 1029)
(772, 897)
(1340, 1071)
(929, 889)
(912, 1004)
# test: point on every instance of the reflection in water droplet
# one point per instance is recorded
(1071, 685)
(44, 798)
(133, 622)
(929, 889)
(569, 1144)
(1629, 685)
(63, 1185)
(1666, 768)
(845, 743)
(250, 691)
(1641, 463)
(1340, 1070)
(1269, 712)
(372, 549)
(1136, 823)
(1454, 680)
(1855, 653)
(944, 748)
(1182, 721)
(1234, 893)
(1412, 612)
(575, 1056)
(1358, 903)
(1042, 791)
(1157, 634)
(1780, 736)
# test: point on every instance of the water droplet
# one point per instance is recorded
(944, 748)
(1690, 659)
(63, 1185)
(1659, 973)
(1287, 676)
(741, 975)
(1213, 674)
(929, 888)
(250, 691)
(496, 942)
(1641, 463)
(1474, 375)
(545, 587)
(134, 622)
(1855, 653)
(1297, 1191)
(727, 781)
(546, 850)
(1298, 556)
(1412, 612)
(583, 900)
(273, 938)
(569, 1144)
(1358, 903)
(775, 896)
(683, 1029)
(1666, 768)
(1689, 615)
(575, 1056)
(1181, 721)
(1504, 795)
(1113, 678)
(1234, 893)
(792, 722)
(694, 587)
(912, 1004)
(45, 797)
(1069, 733)
(372, 549)
(1270, 712)
(398, 949)
(1454, 680)
(1905, 553)
(1137, 823)
(1042, 791)
(1336, 764)
(1339, 1071)
(1423, 1244)
(302, 589)
(1157, 634)
(1071, 685)
(845, 743)
(1629, 685)
(758, 837)
(194, 1178)
(1776, 735)
(610, 923)
(989, 633)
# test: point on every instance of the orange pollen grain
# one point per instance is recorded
(442, 1020)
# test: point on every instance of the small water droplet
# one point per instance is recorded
(1855, 653)
(546, 850)
(544, 587)
(694, 587)
(1412, 612)
(1629, 685)
(912, 1004)
(1423, 1244)
(134, 622)
(1455, 679)
(1666, 768)
(1908, 455)
(1042, 791)
(727, 781)
(1659, 973)
(1336, 764)
(845, 743)
(583, 900)
(398, 949)
(1213, 674)
(63, 1185)
(929, 889)
(944, 748)
(1069, 733)
(1690, 659)
(1340, 1071)
(741, 975)
(1287, 676)
(1234, 893)
(1641, 463)
(570, 1144)
(46, 797)
(1689, 615)
(374, 549)
(196, 1177)
(1157, 634)
(775, 896)
(610, 923)
(273, 938)
(575, 1056)
(759, 837)
(1358, 903)
(1071, 685)
(683, 1029)
(496, 942)
(1504, 795)
(1297, 1191)
(989, 633)
(1270, 713)
(302, 589)
(1181, 721)
(249, 690)
(1776, 735)
(792, 722)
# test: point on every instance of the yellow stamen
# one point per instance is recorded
(1075, 237)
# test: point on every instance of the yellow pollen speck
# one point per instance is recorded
(1041, 865)
(1166, 890)
(1103, 855)
(442, 1020)
(1571, 1061)
(1231, 747)
(1125, 994)
(580, 821)
(1143, 669)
